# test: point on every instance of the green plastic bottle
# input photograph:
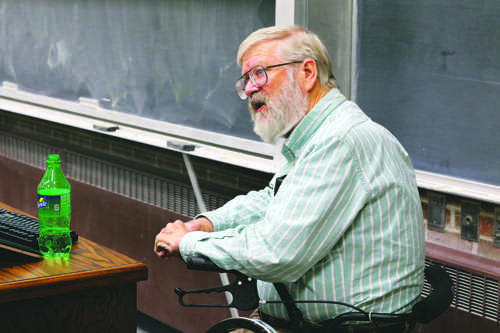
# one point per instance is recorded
(54, 210)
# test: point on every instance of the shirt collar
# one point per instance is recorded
(310, 124)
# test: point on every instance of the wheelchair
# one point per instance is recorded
(245, 297)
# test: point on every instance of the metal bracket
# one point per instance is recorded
(469, 224)
(496, 228)
(436, 211)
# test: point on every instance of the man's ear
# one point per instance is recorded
(309, 74)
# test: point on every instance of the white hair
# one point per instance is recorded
(297, 44)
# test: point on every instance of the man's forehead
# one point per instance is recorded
(264, 53)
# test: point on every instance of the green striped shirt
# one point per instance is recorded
(346, 224)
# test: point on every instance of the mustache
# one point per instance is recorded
(256, 101)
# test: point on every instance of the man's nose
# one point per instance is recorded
(251, 88)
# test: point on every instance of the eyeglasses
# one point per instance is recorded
(258, 75)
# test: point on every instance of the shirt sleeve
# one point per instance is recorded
(279, 238)
(242, 210)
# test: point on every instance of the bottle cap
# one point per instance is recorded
(53, 158)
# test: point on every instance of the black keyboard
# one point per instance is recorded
(20, 232)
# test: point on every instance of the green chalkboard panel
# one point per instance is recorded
(429, 70)
(167, 60)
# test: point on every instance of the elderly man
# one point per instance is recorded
(346, 222)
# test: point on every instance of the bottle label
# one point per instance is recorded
(57, 204)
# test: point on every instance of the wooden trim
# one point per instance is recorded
(486, 267)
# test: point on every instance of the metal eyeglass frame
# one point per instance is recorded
(243, 80)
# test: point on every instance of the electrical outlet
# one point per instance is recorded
(496, 228)
(469, 224)
(436, 211)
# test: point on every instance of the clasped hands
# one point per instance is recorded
(168, 240)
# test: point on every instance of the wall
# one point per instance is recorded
(453, 220)
(140, 188)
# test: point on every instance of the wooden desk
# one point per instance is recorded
(94, 290)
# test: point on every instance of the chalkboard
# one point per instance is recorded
(169, 60)
(429, 70)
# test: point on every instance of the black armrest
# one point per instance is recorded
(202, 264)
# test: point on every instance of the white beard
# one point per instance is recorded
(281, 117)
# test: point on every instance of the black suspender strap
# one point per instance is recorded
(293, 311)
(278, 182)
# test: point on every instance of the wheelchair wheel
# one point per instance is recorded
(250, 324)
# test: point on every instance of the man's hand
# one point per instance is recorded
(168, 240)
